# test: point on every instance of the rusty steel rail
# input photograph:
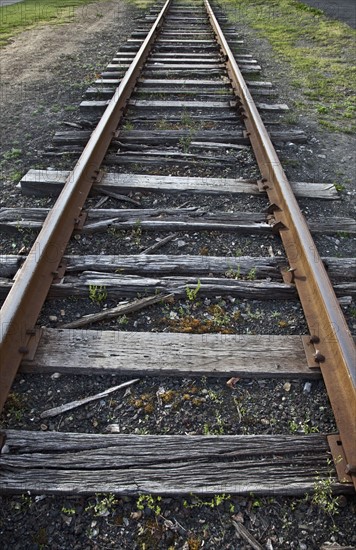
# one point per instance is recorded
(23, 304)
(331, 341)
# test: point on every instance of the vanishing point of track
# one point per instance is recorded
(329, 347)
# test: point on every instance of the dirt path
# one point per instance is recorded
(32, 54)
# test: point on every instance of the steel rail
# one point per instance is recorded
(23, 304)
(334, 348)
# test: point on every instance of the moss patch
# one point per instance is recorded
(318, 50)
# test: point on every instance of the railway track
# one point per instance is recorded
(177, 116)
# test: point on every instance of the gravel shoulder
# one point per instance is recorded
(44, 73)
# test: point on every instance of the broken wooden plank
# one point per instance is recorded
(121, 286)
(142, 154)
(67, 463)
(339, 269)
(243, 533)
(55, 411)
(121, 309)
(235, 267)
(159, 244)
(169, 354)
(184, 219)
(50, 182)
(129, 285)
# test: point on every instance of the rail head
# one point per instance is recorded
(334, 348)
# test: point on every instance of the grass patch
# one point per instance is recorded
(318, 50)
(31, 13)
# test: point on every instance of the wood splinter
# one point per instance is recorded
(246, 535)
(74, 404)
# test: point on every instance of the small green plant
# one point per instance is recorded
(302, 427)
(257, 314)
(114, 232)
(187, 119)
(128, 125)
(123, 320)
(251, 275)
(214, 396)
(220, 426)
(103, 505)
(193, 292)
(97, 294)
(293, 426)
(68, 511)
(339, 187)
(233, 274)
(16, 176)
(215, 502)
(256, 503)
(185, 142)
(206, 429)
(220, 318)
(153, 503)
(14, 408)
(12, 154)
(323, 495)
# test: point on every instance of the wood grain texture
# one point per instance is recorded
(136, 353)
(130, 464)
(48, 182)
(339, 269)
(120, 286)
(171, 219)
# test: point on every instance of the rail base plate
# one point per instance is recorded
(339, 458)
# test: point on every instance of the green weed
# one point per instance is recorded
(215, 502)
(151, 502)
(192, 292)
(68, 511)
(103, 505)
(97, 294)
(12, 154)
(323, 497)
